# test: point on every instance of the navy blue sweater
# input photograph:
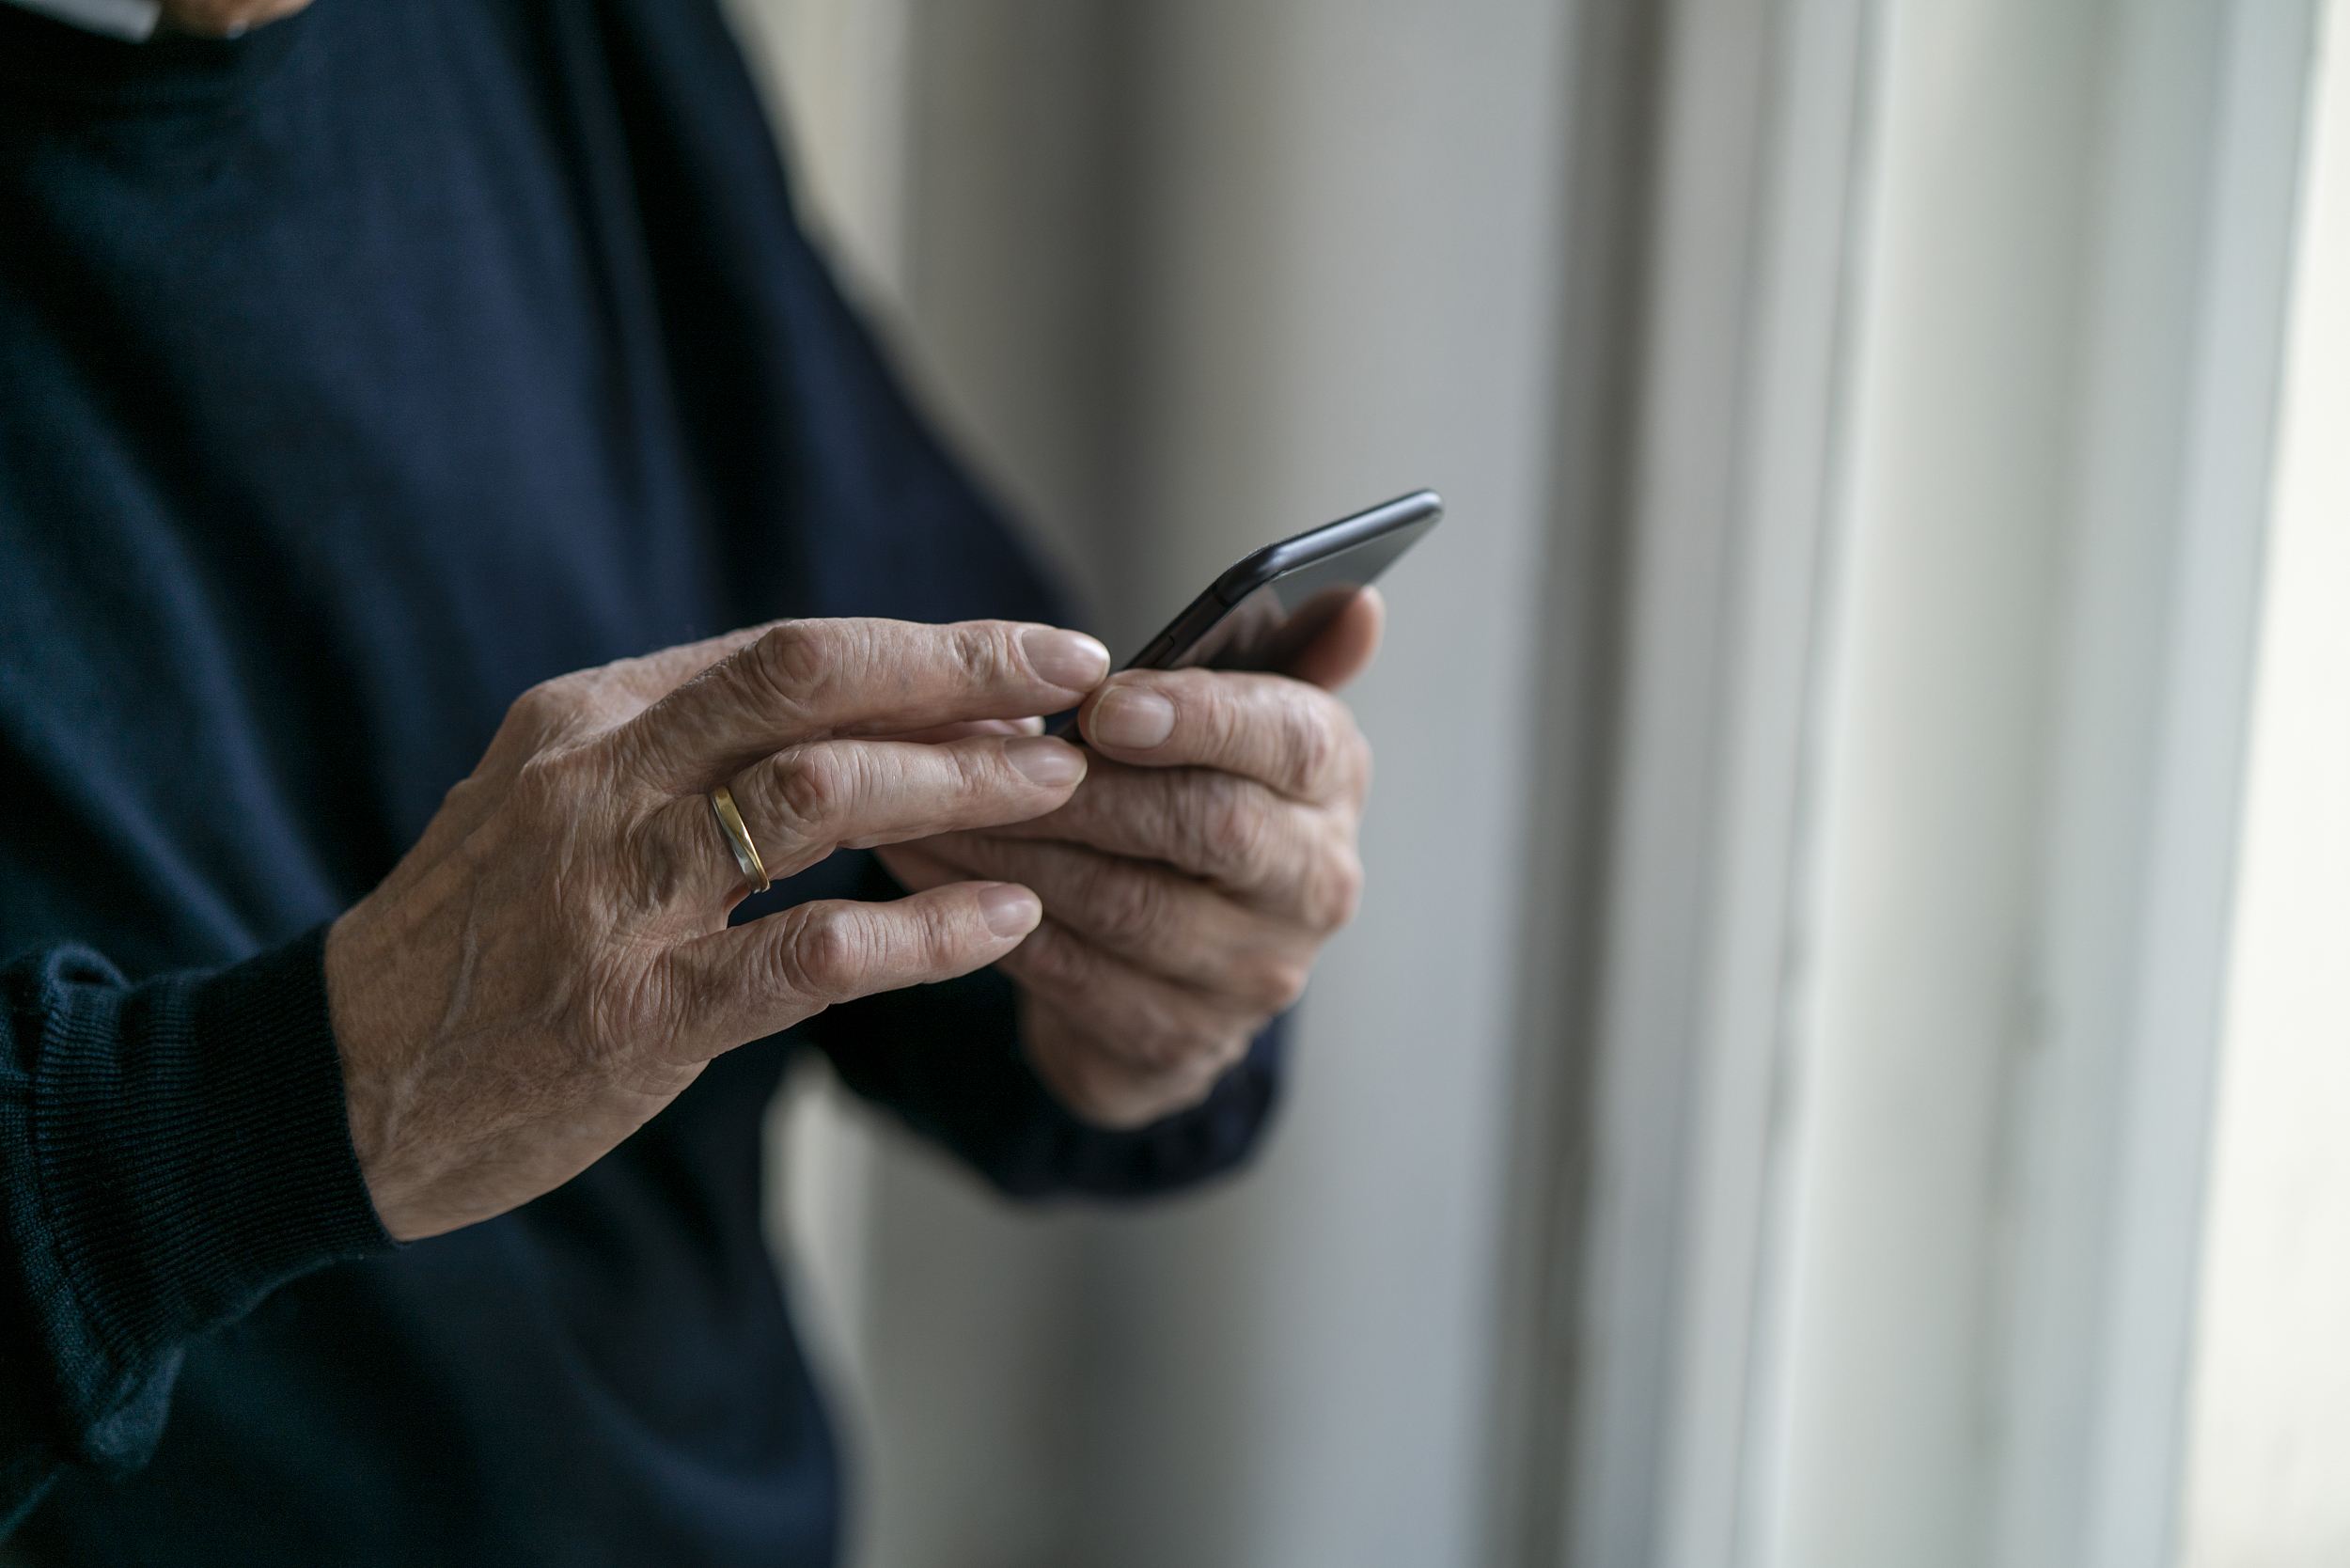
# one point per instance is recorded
(354, 375)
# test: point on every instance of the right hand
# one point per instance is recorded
(552, 964)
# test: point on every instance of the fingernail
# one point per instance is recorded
(1049, 762)
(1132, 719)
(1070, 660)
(1009, 909)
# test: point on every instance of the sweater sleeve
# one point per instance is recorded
(170, 1152)
(947, 1061)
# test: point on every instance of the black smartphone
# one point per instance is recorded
(1263, 613)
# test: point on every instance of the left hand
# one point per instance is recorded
(1189, 882)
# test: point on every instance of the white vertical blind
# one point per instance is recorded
(2033, 729)
(1933, 723)
(2268, 1466)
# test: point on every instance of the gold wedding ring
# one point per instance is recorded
(738, 838)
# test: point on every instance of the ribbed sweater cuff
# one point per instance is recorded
(194, 1148)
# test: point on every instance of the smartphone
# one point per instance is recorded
(1273, 602)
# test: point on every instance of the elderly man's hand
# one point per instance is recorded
(1192, 879)
(552, 964)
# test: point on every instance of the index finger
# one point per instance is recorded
(1291, 736)
(812, 680)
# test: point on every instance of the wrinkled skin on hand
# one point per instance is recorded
(551, 965)
(1191, 880)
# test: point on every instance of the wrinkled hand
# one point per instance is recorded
(552, 964)
(1189, 882)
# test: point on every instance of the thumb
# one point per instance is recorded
(1343, 649)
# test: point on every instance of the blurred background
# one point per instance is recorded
(1844, 1059)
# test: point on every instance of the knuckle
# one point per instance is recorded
(980, 650)
(1167, 1037)
(1272, 985)
(1155, 1045)
(1180, 1092)
(1188, 818)
(809, 787)
(1222, 721)
(940, 938)
(468, 796)
(541, 711)
(793, 662)
(823, 955)
(1226, 1056)
(1336, 892)
(1232, 831)
(1129, 910)
(968, 771)
(1051, 960)
(1313, 744)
